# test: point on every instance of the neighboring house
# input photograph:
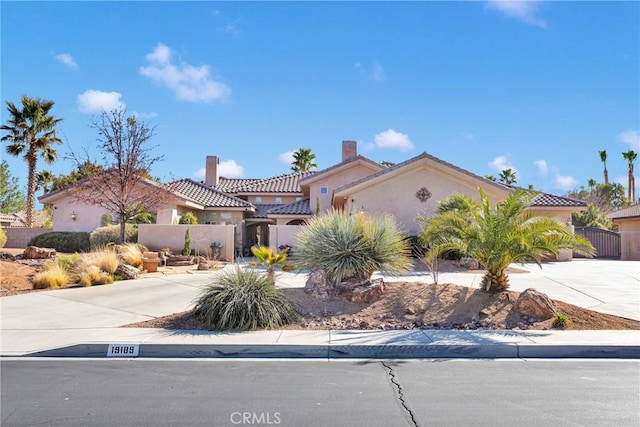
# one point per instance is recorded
(627, 220)
(405, 190)
(19, 219)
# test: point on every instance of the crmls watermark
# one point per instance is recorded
(255, 418)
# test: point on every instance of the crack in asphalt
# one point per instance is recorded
(392, 377)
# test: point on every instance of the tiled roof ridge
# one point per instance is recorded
(345, 162)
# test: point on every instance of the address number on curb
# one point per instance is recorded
(123, 350)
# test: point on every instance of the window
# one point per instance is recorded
(258, 199)
(324, 190)
(278, 199)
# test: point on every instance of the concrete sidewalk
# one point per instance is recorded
(85, 322)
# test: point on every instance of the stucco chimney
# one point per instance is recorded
(211, 172)
(349, 150)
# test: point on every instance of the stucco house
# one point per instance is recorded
(405, 190)
(627, 221)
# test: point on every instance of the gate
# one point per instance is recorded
(606, 242)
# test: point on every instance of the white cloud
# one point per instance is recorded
(94, 101)
(188, 82)
(286, 158)
(523, 10)
(145, 115)
(67, 59)
(565, 183)
(375, 72)
(630, 137)
(230, 169)
(467, 135)
(392, 139)
(501, 163)
(542, 166)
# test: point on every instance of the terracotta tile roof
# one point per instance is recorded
(551, 200)
(417, 158)
(345, 162)
(206, 195)
(301, 207)
(230, 185)
(287, 183)
(629, 212)
(19, 219)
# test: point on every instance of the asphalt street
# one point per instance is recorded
(195, 392)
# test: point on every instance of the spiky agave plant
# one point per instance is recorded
(352, 246)
(499, 235)
(243, 299)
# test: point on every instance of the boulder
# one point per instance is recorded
(362, 291)
(317, 286)
(535, 304)
(127, 272)
(34, 252)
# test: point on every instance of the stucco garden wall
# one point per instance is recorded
(283, 235)
(19, 237)
(630, 245)
(155, 236)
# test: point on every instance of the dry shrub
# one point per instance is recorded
(107, 260)
(94, 276)
(55, 276)
(130, 254)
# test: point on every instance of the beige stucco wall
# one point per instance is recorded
(350, 174)
(155, 236)
(397, 196)
(284, 235)
(87, 216)
(629, 230)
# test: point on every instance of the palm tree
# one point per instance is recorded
(303, 160)
(508, 176)
(32, 132)
(631, 156)
(490, 178)
(45, 180)
(603, 159)
(591, 183)
(499, 235)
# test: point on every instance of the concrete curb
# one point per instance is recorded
(302, 351)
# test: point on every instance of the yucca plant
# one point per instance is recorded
(499, 235)
(352, 246)
(243, 299)
(270, 257)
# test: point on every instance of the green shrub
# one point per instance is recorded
(187, 243)
(63, 241)
(352, 246)
(188, 218)
(561, 320)
(102, 236)
(3, 238)
(53, 277)
(243, 299)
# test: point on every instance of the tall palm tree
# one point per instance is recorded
(44, 180)
(631, 156)
(508, 176)
(603, 159)
(591, 183)
(303, 160)
(32, 132)
(499, 235)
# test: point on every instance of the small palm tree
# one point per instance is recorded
(31, 130)
(44, 180)
(603, 159)
(270, 257)
(631, 156)
(591, 183)
(508, 176)
(499, 235)
(592, 217)
(303, 160)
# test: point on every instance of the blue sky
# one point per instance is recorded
(540, 87)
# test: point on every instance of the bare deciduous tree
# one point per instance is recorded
(124, 188)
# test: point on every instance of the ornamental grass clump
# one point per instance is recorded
(243, 299)
(54, 276)
(130, 254)
(92, 275)
(349, 246)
